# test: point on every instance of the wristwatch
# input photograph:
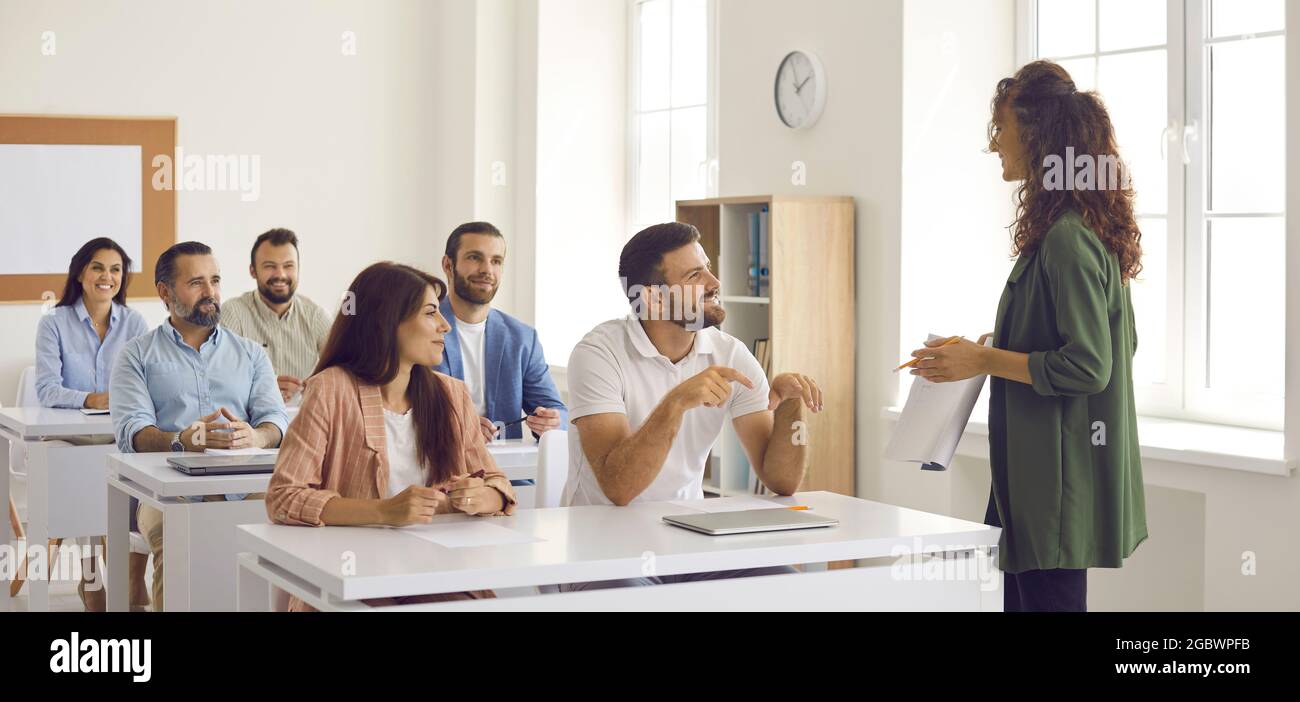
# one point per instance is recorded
(176, 443)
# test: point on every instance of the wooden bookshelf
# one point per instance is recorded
(808, 316)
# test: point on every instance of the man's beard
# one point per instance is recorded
(196, 317)
(700, 317)
(273, 297)
(466, 292)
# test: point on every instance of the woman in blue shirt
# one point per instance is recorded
(77, 343)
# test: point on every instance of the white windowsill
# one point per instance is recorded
(1168, 440)
(1171, 440)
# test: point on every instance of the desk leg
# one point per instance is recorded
(38, 530)
(991, 592)
(119, 539)
(252, 591)
(6, 533)
(213, 550)
(176, 558)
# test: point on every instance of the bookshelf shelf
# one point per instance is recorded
(807, 317)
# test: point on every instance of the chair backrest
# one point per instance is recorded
(24, 397)
(17, 457)
(552, 467)
(27, 396)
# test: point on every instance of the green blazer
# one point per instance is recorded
(1067, 471)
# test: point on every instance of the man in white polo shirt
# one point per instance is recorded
(649, 393)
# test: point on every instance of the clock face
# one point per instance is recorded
(800, 90)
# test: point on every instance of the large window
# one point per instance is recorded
(671, 90)
(1196, 93)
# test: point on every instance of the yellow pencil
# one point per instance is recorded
(909, 364)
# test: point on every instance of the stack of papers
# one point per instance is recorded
(933, 420)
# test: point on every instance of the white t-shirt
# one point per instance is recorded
(404, 467)
(471, 354)
(616, 368)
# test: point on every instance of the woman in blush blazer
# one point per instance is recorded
(382, 439)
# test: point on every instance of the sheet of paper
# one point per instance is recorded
(93, 412)
(469, 534)
(240, 452)
(732, 504)
(933, 421)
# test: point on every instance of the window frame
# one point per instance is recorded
(1203, 403)
(634, 223)
(1187, 143)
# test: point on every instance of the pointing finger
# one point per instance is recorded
(733, 374)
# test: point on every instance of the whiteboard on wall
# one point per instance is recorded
(66, 179)
(56, 197)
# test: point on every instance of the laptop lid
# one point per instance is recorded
(223, 465)
(749, 521)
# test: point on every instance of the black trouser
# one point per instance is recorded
(1055, 590)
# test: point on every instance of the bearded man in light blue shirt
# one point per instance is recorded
(190, 384)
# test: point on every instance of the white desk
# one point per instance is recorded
(198, 537)
(64, 493)
(604, 542)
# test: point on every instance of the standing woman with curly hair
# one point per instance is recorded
(1063, 445)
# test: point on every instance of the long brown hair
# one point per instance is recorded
(363, 340)
(1053, 115)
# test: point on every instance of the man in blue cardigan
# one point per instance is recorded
(498, 356)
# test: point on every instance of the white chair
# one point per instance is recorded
(552, 467)
(15, 521)
(24, 397)
(27, 396)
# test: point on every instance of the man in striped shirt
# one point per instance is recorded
(290, 327)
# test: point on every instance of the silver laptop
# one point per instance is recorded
(749, 521)
(224, 465)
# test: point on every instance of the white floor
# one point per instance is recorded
(63, 598)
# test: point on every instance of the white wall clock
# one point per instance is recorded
(800, 89)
